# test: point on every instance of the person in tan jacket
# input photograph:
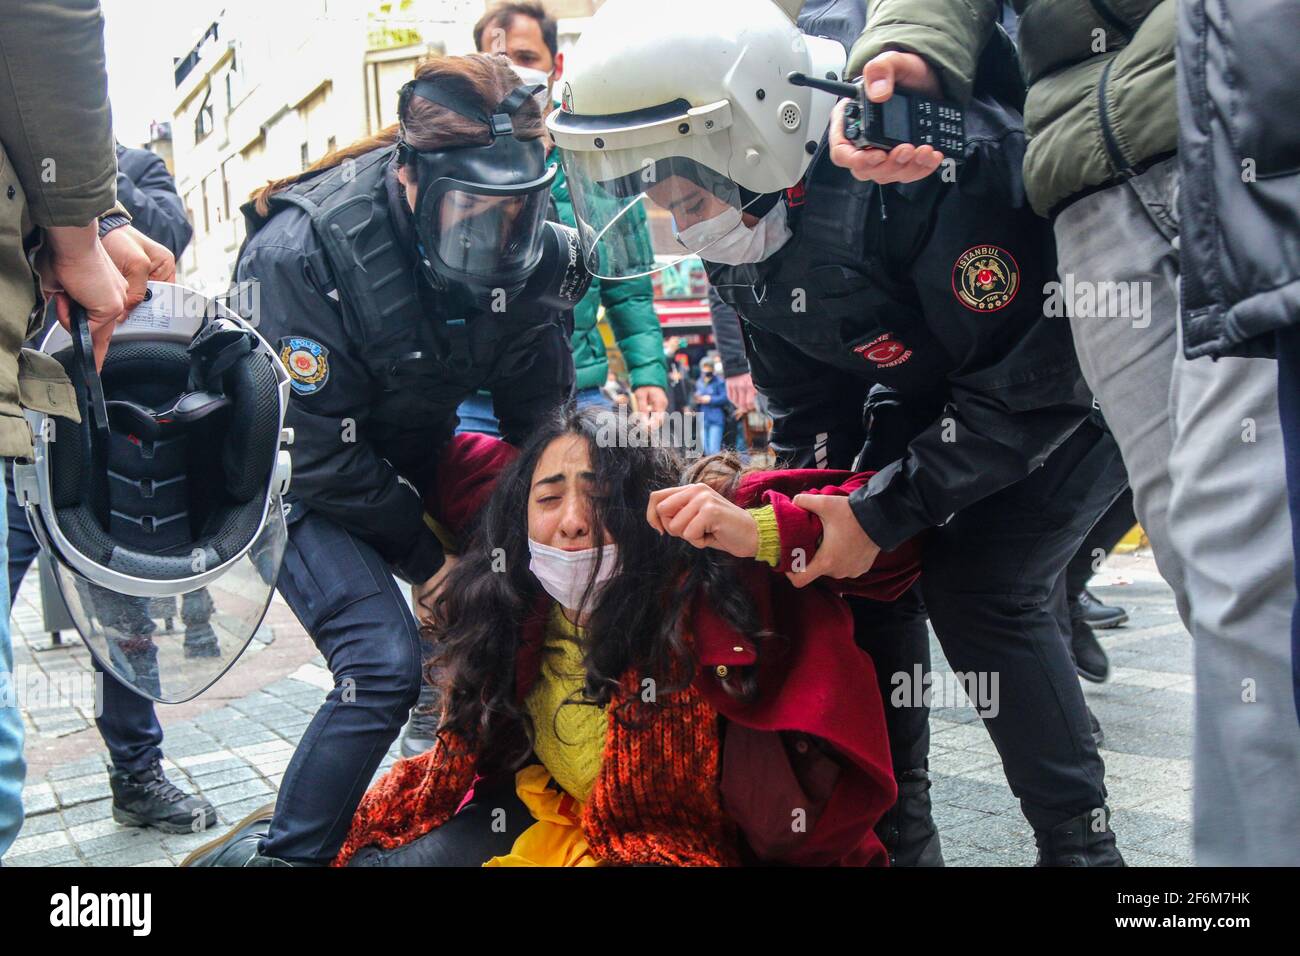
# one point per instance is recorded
(64, 238)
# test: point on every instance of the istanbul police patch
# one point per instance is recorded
(307, 362)
(985, 278)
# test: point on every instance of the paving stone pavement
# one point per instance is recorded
(236, 754)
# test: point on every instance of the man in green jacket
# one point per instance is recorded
(62, 235)
(526, 34)
(1201, 440)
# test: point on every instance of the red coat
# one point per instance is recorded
(821, 684)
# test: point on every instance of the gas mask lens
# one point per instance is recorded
(484, 234)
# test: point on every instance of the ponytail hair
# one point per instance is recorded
(479, 78)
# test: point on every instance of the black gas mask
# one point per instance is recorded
(480, 214)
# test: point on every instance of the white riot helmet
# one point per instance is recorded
(681, 110)
(159, 512)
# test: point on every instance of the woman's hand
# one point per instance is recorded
(424, 596)
(846, 550)
(904, 163)
(702, 517)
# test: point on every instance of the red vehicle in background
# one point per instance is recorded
(682, 303)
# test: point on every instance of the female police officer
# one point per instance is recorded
(400, 276)
(922, 303)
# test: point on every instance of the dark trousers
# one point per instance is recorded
(1288, 397)
(993, 587)
(896, 637)
(344, 594)
(992, 581)
(128, 724)
(485, 827)
(1118, 520)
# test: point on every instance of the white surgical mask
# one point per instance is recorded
(737, 243)
(566, 574)
(531, 77)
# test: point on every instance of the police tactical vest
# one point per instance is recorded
(425, 361)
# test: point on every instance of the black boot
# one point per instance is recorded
(419, 734)
(146, 798)
(907, 830)
(1086, 607)
(238, 846)
(1085, 840)
(1090, 659)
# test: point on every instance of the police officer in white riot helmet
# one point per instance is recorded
(896, 330)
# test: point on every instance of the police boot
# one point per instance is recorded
(907, 830)
(1087, 607)
(238, 846)
(420, 732)
(146, 798)
(1085, 840)
(1090, 658)
(201, 641)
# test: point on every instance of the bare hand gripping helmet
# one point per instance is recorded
(160, 511)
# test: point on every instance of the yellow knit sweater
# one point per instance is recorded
(570, 734)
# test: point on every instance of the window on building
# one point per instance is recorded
(304, 154)
(205, 118)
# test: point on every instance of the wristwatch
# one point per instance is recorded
(112, 221)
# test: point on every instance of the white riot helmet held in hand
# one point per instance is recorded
(159, 512)
(682, 110)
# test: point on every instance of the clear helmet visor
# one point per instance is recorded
(485, 235)
(170, 649)
(666, 210)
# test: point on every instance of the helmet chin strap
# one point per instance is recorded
(87, 384)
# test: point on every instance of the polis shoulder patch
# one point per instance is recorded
(985, 278)
(307, 362)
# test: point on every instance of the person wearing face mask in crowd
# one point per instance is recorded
(583, 686)
(900, 330)
(465, 286)
(711, 404)
(527, 35)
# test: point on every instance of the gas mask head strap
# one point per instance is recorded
(500, 123)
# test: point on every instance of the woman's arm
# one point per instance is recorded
(775, 530)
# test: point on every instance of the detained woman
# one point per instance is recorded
(628, 677)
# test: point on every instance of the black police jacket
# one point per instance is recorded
(932, 294)
(377, 363)
(148, 192)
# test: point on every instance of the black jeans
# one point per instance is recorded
(344, 594)
(485, 827)
(129, 723)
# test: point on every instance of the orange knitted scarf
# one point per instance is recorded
(656, 799)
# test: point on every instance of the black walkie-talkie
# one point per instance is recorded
(903, 118)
